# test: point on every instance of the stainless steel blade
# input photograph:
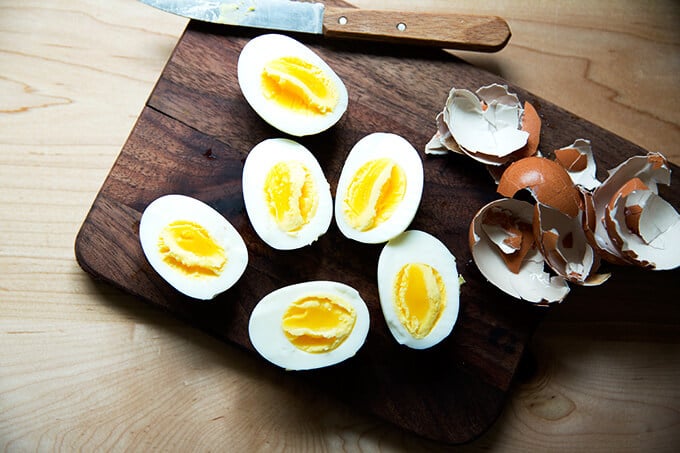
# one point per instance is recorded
(269, 14)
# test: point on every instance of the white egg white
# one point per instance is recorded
(170, 208)
(414, 246)
(260, 160)
(375, 146)
(268, 337)
(255, 55)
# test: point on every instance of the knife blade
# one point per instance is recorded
(445, 30)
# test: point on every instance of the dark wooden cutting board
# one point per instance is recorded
(193, 137)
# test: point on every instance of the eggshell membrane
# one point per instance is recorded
(531, 283)
(375, 146)
(259, 161)
(169, 208)
(651, 169)
(269, 339)
(547, 181)
(414, 246)
(252, 59)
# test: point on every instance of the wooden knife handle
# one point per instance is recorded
(450, 31)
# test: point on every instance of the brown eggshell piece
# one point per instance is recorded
(531, 282)
(513, 237)
(633, 215)
(531, 123)
(654, 239)
(630, 186)
(577, 159)
(571, 159)
(548, 182)
(564, 245)
(651, 169)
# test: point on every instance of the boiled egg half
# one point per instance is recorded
(192, 246)
(379, 189)
(289, 86)
(419, 289)
(286, 194)
(309, 325)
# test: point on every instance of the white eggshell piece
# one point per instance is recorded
(586, 177)
(575, 260)
(376, 146)
(650, 169)
(658, 244)
(531, 283)
(255, 55)
(170, 208)
(415, 246)
(260, 160)
(486, 135)
(269, 339)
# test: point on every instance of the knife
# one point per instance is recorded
(445, 30)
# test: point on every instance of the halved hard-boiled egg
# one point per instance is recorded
(419, 289)
(286, 194)
(192, 246)
(290, 86)
(309, 325)
(379, 189)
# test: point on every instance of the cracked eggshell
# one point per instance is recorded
(546, 180)
(530, 282)
(565, 247)
(531, 123)
(650, 170)
(644, 227)
(442, 142)
(485, 125)
(579, 162)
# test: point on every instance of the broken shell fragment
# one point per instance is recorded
(485, 125)
(565, 247)
(635, 174)
(579, 162)
(645, 228)
(531, 123)
(547, 181)
(529, 282)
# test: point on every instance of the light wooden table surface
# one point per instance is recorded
(84, 367)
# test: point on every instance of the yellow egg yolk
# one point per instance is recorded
(374, 193)
(189, 248)
(299, 86)
(420, 298)
(318, 324)
(291, 195)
